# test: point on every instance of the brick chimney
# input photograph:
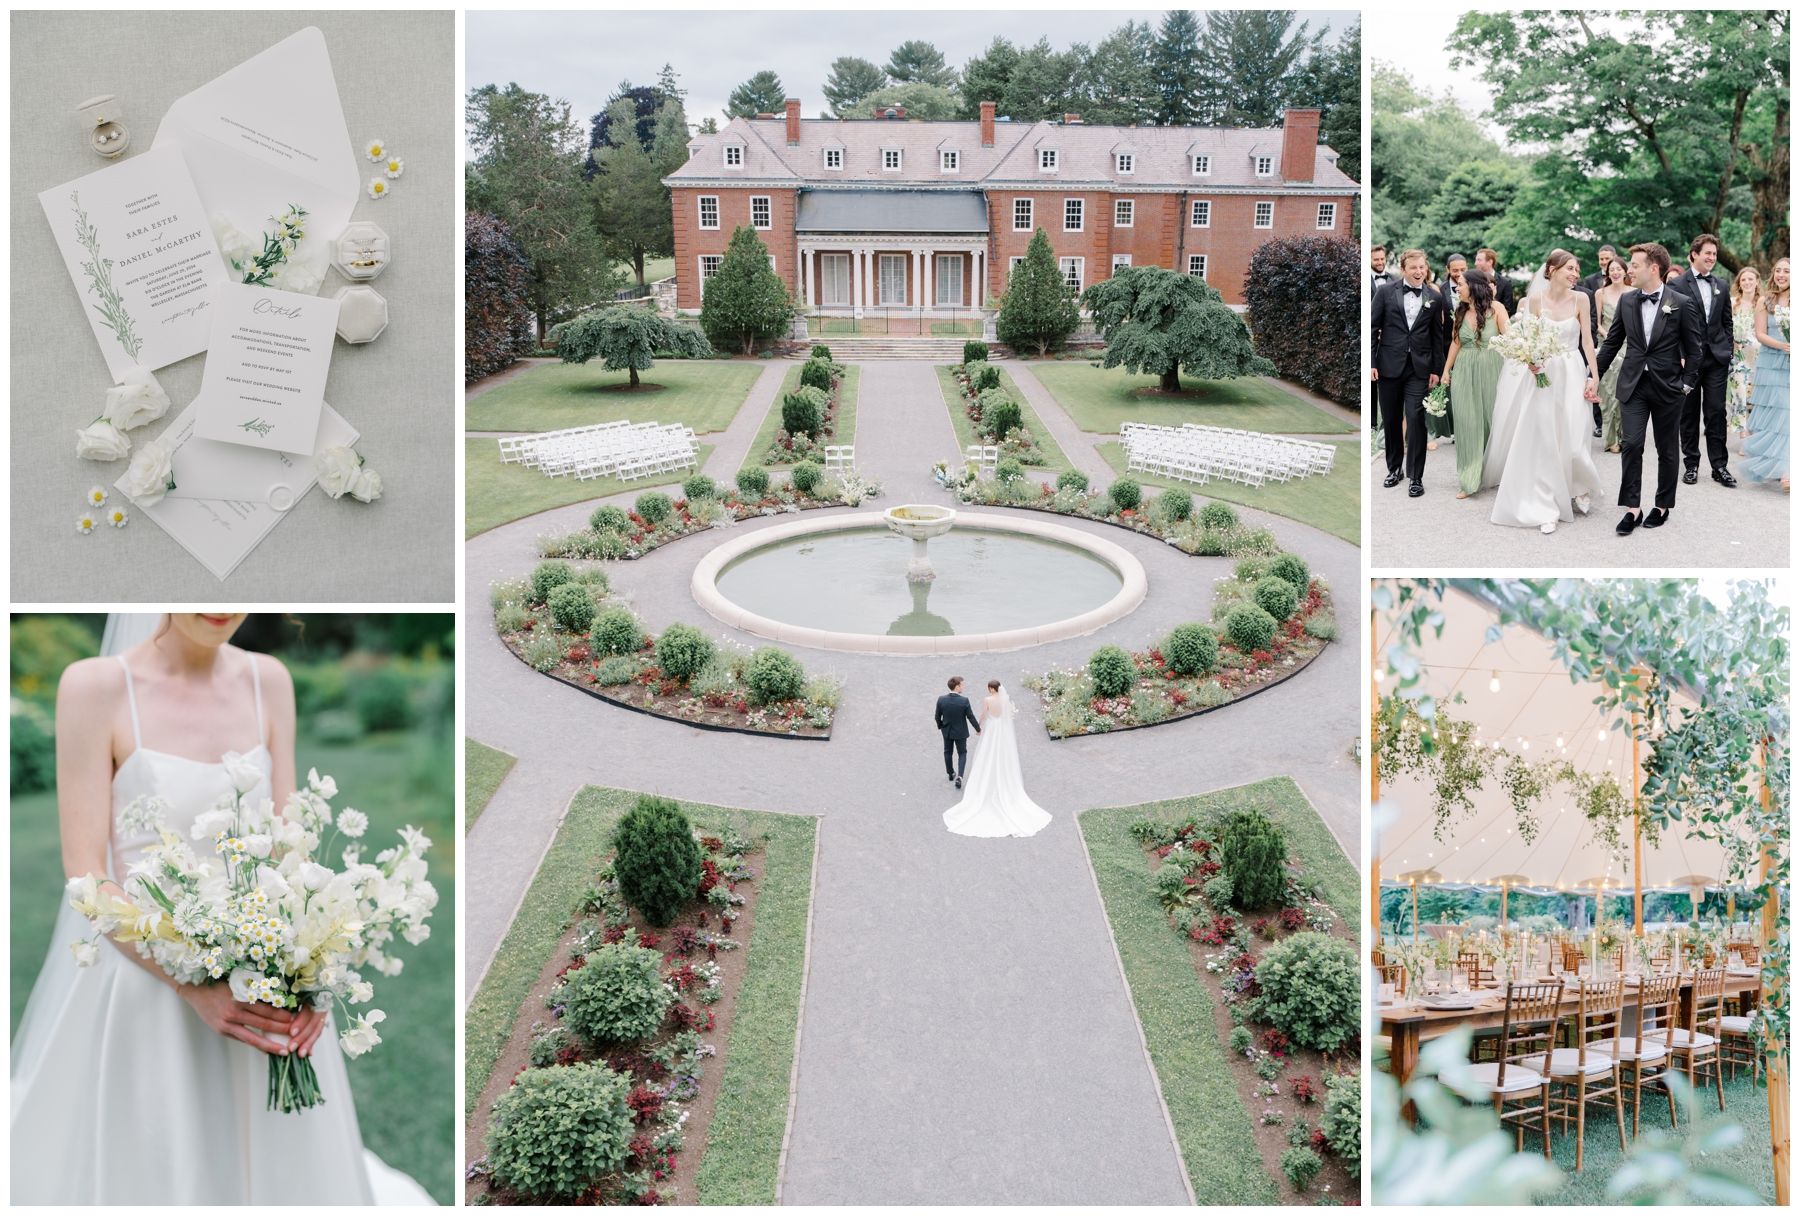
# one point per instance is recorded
(1071, 119)
(1299, 144)
(987, 124)
(793, 123)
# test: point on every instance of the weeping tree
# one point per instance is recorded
(627, 337)
(1160, 323)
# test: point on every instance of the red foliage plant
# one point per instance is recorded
(645, 1103)
(613, 934)
(648, 941)
(712, 844)
(640, 1147)
(1208, 868)
(683, 1016)
(710, 876)
(1293, 919)
(579, 653)
(1304, 1089)
(682, 938)
(497, 316)
(1303, 306)
(1274, 1041)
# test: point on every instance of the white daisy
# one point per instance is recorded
(395, 166)
(85, 522)
(378, 189)
(117, 517)
(96, 496)
(376, 148)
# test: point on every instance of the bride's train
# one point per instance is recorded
(1538, 454)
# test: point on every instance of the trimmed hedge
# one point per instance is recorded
(973, 352)
(752, 482)
(1276, 597)
(1125, 493)
(557, 1129)
(1112, 671)
(806, 476)
(1191, 650)
(497, 319)
(653, 506)
(816, 374)
(803, 411)
(572, 607)
(547, 578)
(1250, 628)
(608, 518)
(1304, 296)
(658, 863)
(774, 675)
(1310, 989)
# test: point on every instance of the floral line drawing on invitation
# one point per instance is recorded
(257, 425)
(112, 306)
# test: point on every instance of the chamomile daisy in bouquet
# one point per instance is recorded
(250, 901)
(1531, 340)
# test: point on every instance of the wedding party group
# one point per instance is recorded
(1642, 351)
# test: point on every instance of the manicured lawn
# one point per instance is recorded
(484, 768)
(846, 423)
(1056, 461)
(956, 329)
(655, 269)
(744, 1139)
(701, 393)
(1331, 503)
(1099, 399)
(495, 493)
(1173, 1006)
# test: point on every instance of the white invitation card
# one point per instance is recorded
(265, 367)
(141, 253)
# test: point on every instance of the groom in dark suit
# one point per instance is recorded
(954, 718)
(1658, 330)
(1712, 296)
(1409, 335)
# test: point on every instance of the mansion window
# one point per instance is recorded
(1071, 272)
(1047, 160)
(1197, 265)
(1202, 166)
(890, 160)
(1122, 209)
(709, 266)
(834, 158)
(1265, 166)
(1124, 162)
(949, 161)
(709, 211)
(1072, 214)
(1120, 259)
(1202, 217)
(1012, 264)
(1327, 215)
(734, 156)
(759, 211)
(1021, 215)
(1265, 215)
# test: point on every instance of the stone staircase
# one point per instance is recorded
(859, 349)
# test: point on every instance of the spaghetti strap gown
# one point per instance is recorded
(1473, 382)
(1612, 430)
(1766, 451)
(122, 1095)
(1539, 455)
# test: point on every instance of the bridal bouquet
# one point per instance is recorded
(254, 905)
(1437, 401)
(1531, 340)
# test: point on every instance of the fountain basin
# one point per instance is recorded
(919, 522)
(1121, 565)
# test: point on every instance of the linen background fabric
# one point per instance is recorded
(396, 76)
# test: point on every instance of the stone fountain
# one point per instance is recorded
(919, 523)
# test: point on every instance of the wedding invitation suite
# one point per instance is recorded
(265, 367)
(141, 253)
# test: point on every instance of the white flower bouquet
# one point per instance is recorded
(1437, 401)
(262, 912)
(1531, 340)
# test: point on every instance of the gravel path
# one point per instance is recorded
(968, 1037)
(730, 448)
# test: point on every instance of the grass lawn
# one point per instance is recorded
(846, 419)
(495, 493)
(655, 269)
(744, 1140)
(405, 1089)
(956, 329)
(1099, 400)
(1173, 1006)
(702, 393)
(1056, 461)
(1331, 503)
(484, 768)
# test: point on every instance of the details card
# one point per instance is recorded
(142, 256)
(266, 367)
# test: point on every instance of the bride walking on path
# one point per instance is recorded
(1538, 453)
(994, 800)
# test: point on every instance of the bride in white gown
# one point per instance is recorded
(994, 800)
(1538, 451)
(128, 1088)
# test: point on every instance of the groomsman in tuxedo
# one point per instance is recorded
(1485, 261)
(1594, 282)
(1656, 330)
(1409, 335)
(1379, 274)
(1707, 404)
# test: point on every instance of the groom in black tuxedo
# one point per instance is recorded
(1409, 335)
(1712, 295)
(954, 718)
(1658, 329)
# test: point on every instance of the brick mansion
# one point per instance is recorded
(890, 213)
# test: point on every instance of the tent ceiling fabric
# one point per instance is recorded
(1538, 703)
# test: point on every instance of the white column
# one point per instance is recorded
(806, 300)
(977, 283)
(930, 292)
(918, 278)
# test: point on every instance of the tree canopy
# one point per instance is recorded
(745, 301)
(1161, 323)
(1180, 77)
(627, 337)
(917, 62)
(851, 80)
(1039, 307)
(1253, 60)
(1415, 144)
(761, 94)
(926, 101)
(632, 211)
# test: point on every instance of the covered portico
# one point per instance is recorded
(923, 250)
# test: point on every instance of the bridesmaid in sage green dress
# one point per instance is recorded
(1612, 427)
(1473, 369)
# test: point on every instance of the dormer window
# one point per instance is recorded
(1265, 166)
(890, 160)
(949, 161)
(834, 158)
(734, 156)
(1124, 162)
(1202, 166)
(1047, 160)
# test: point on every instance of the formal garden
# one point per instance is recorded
(632, 1041)
(815, 409)
(987, 408)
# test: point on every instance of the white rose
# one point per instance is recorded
(233, 244)
(135, 400)
(149, 476)
(257, 845)
(86, 955)
(244, 775)
(367, 487)
(338, 468)
(101, 441)
(271, 881)
(314, 876)
(300, 277)
(241, 979)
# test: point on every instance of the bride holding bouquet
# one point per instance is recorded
(129, 1087)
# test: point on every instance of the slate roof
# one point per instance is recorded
(877, 210)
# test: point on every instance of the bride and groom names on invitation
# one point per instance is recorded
(167, 283)
(266, 368)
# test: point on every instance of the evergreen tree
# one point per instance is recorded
(1253, 55)
(632, 209)
(1159, 322)
(1182, 86)
(1123, 88)
(708, 126)
(1465, 213)
(1039, 307)
(745, 300)
(1036, 87)
(668, 86)
(851, 80)
(627, 337)
(1332, 80)
(985, 77)
(916, 62)
(641, 118)
(761, 94)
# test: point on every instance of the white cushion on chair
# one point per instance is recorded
(1679, 1038)
(1518, 1078)
(1628, 1049)
(1566, 1062)
(1734, 1025)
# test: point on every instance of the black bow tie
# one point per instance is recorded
(1417, 291)
(1654, 298)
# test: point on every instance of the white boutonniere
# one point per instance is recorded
(1669, 309)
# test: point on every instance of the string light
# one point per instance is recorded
(1494, 684)
(1603, 734)
(1559, 740)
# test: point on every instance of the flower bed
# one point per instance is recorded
(978, 405)
(673, 1075)
(1296, 1068)
(1167, 681)
(602, 649)
(786, 449)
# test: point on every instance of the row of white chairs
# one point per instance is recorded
(628, 451)
(1198, 454)
(840, 457)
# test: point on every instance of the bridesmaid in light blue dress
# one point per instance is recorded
(1766, 451)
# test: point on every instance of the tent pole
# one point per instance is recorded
(1637, 832)
(1780, 1144)
(1374, 788)
(1415, 887)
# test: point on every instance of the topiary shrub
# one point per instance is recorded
(806, 477)
(1342, 1122)
(558, 1129)
(616, 632)
(1218, 515)
(1310, 991)
(1112, 671)
(803, 411)
(1291, 567)
(1008, 469)
(975, 352)
(572, 607)
(1300, 1166)
(682, 650)
(816, 374)
(547, 578)
(988, 377)
(1000, 414)
(658, 864)
(608, 518)
(1191, 650)
(653, 507)
(774, 675)
(1276, 597)
(699, 486)
(1125, 493)
(1175, 505)
(617, 996)
(753, 483)
(821, 351)
(1072, 479)
(615, 670)
(1253, 852)
(1250, 628)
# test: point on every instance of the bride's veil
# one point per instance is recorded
(1539, 280)
(126, 629)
